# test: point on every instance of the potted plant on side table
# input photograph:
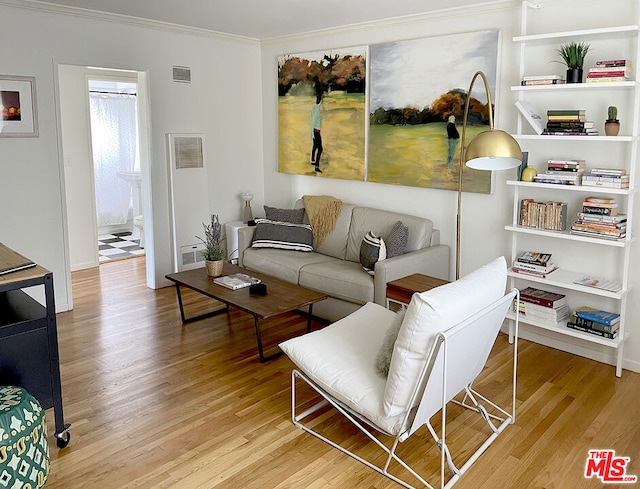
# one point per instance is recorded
(612, 124)
(573, 55)
(215, 251)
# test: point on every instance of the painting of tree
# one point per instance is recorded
(417, 88)
(322, 113)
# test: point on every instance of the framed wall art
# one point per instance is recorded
(418, 88)
(322, 113)
(18, 104)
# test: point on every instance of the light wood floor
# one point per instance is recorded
(154, 404)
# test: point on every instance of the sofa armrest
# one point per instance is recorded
(245, 238)
(432, 261)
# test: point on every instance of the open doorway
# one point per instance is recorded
(104, 184)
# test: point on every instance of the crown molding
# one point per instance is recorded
(124, 19)
(443, 15)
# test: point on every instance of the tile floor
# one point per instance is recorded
(117, 246)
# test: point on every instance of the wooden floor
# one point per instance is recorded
(154, 404)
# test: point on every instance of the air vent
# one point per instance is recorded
(192, 256)
(182, 74)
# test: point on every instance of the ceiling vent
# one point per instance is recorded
(182, 74)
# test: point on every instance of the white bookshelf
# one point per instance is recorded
(623, 40)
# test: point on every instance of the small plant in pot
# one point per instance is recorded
(573, 55)
(215, 250)
(612, 124)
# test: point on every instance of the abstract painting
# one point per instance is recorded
(418, 90)
(322, 113)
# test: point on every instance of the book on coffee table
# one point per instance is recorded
(236, 281)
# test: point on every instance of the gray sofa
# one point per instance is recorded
(334, 267)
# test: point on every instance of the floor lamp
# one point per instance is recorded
(489, 150)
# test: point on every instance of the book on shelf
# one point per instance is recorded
(556, 179)
(609, 171)
(598, 283)
(616, 237)
(565, 112)
(597, 218)
(531, 116)
(564, 125)
(608, 79)
(543, 215)
(543, 81)
(586, 132)
(613, 62)
(598, 315)
(544, 298)
(236, 281)
(542, 314)
(532, 273)
(542, 77)
(549, 267)
(588, 323)
(534, 258)
(596, 70)
(604, 334)
(600, 209)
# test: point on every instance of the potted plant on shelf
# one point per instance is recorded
(215, 250)
(573, 55)
(612, 124)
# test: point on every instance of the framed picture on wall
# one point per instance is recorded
(19, 116)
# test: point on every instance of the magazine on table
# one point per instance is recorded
(236, 281)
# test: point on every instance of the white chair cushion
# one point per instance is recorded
(341, 357)
(429, 313)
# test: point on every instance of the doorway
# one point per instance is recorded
(83, 141)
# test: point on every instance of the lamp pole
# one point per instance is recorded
(489, 150)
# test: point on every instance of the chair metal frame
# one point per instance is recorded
(435, 379)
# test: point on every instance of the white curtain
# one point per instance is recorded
(113, 138)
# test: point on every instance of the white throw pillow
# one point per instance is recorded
(429, 313)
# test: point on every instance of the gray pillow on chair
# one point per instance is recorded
(383, 360)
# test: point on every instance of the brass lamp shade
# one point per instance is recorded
(493, 150)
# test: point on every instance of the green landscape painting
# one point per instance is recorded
(418, 88)
(322, 113)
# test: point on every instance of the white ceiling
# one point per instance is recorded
(264, 19)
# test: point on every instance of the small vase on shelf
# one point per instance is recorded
(528, 174)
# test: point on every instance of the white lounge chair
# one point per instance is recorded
(442, 345)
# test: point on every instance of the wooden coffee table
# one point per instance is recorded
(282, 297)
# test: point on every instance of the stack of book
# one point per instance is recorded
(562, 172)
(571, 122)
(534, 263)
(595, 321)
(608, 178)
(599, 219)
(543, 215)
(610, 70)
(543, 306)
(534, 80)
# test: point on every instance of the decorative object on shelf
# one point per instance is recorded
(490, 150)
(247, 214)
(612, 124)
(573, 54)
(528, 174)
(215, 250)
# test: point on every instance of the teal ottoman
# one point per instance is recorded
(24, 451)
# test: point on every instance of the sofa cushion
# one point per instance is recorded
(335, 244)
(372, 250)
(397, 240)
(429, 313)
(340, 359)
(282, 235)
(340, 279)
(295, 216)
(380, 222)
(281, 264)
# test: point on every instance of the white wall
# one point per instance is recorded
(483, 216)
(223, 102)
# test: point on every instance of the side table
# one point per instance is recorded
(231, 230)
(400, 291)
